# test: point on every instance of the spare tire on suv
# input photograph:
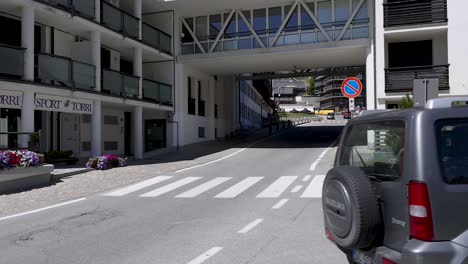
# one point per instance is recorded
(351, 208)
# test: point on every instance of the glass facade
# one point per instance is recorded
(299, 29)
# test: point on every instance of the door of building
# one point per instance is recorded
(128, 133)
(155, 134)
(70, 133)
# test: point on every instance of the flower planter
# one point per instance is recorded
(24, 178)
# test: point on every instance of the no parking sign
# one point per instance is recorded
(351, 88)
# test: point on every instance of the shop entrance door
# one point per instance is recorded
(155, 134)
(70, 133)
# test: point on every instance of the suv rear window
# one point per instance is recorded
(375, 147)
(452, 148)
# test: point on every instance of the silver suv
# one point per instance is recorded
(398, 192)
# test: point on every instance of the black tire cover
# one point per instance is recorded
(351, 208)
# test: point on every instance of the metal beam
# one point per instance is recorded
(350, 71)
(220, 34)
(311, 14)
(285, 21)
(259, 40)
(192, 34)
(350, 20)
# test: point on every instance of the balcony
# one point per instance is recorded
(63, 71)
(120, 84)
(413, 12)
(116, 19)
(401, 79)
(14, 56)
(157, 39)
(201, 108)
(157, 92)
(83, 8)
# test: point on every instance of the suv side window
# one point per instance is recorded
(453, 150)
(375, 147)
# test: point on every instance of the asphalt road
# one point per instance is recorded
(256, 205)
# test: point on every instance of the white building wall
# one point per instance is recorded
(457, 43)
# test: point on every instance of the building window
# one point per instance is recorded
(216, 111)
(191, 102)
(201, 132)
(111, 145)
(111, 120)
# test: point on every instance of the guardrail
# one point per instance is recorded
(301, 120)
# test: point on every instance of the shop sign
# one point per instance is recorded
(10, 99)
(63, 104)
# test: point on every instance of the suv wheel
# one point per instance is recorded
(351, 208)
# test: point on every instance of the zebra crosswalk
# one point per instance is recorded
(222, 187)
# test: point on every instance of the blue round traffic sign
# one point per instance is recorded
(351, 87)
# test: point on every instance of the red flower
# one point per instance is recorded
(14, 160)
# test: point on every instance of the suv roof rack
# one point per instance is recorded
(446, 102)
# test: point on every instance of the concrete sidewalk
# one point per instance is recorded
(74, 186)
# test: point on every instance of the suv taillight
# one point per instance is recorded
(421, 226)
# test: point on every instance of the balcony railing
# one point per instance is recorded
(201, 108)
(401, 79)
(12, 60)
(84, 8)
(411, 12)
(63, 71)
(157, 92)
(120, 84)
(119, 20)
(156, 38)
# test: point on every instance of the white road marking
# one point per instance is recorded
(277, 187)
(296, 189)
(314, 190)
(239, 187)
(280, 204)
(170, 187)
(138, 186)
(324, 153)
(42, 209)
(230, 155)
(203, 188)
(306, 178)
(250, 226)
(208, 254)
(314, 165)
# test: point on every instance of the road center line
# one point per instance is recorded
(250, 226)
(296, 189)
(280, 204)
(314, 165)
(205, 256)
(42, 209)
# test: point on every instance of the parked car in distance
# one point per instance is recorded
(347, 115)
(331, 116)
(398, 191)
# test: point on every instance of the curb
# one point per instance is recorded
(58, 176)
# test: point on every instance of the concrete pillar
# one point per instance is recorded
(96, 127)
(370, 78)
(97, 10)
(137, 12)
(27, 117)
(210, 107)
(27, 40)
(138, 132)
(96, 56)
(138, 68)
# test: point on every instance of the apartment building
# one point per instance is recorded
(417, 39)
(93, 77)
